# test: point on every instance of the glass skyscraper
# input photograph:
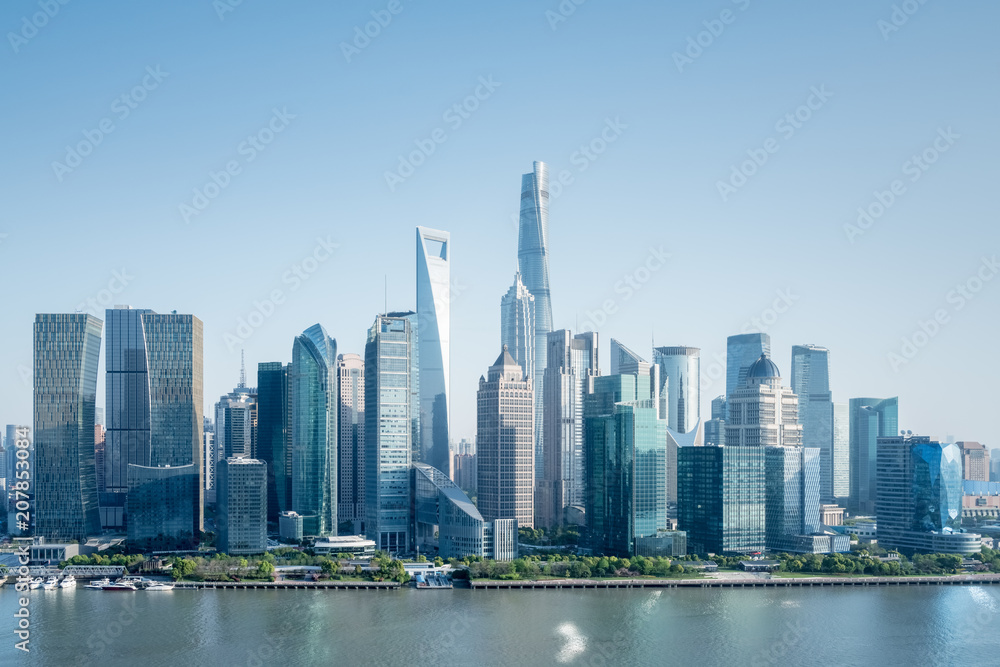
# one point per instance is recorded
(517, 325)
(67, 348)
(274, 435)
(680, 380)
(792, 478)
(313, 387)
(742, 351)
(870, 419)
(919, 502)
(841, 453)
(533, 265)
(387, 433)
(434, 314)
(811, 383)
(351, 441)
(572, 362)
(721, 498)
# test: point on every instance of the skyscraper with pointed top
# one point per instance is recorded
(533, 264)
(517, 325)
(434, 341)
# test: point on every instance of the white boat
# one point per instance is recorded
(120, 586)
(159, 586)
(50, 584)
(69, 581)
(98, 585)
(35, 584)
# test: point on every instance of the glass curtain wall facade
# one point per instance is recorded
(387, 434)
(573, 362)
(870, 419)
(841, 453)
(680, 380)
(127, 409)
(741, 352)
(163, 507)
(313, 388)
(811, 383)
(67, 348)
(792, 478)
(351, 443)
(533, 265)
(273, 435)
(517, 325)
(434, 314)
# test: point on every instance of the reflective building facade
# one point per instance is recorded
(517, 325)
(741, 352)
(572, 362)
(67, 349)
(792, 478)
(313, 387)
(533, 265)
(811, 383)
(434, 315)
(163, 507)
(274, 435)
(680, 382)
(870, 419)
(351, 442)
(387, 434)
(841, 453)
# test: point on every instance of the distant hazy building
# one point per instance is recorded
(66, 352)
(242, 506)
(811, 383)
(870, 419)
(517, 325)
(388, 434)
(573, 361)
(464, 472)
(680, 385)
(312, 384)
(99, 443)
(792, 501)
(234, 425)
(626, 446)
(975, 461)
(715, 428)
(533, 265)
(290, 526)
(274, 435)
(841, 457)
(208, 462)
(434, 313)
(351, 442)
(721, 498)
(919, 502)
(446, 520)
(504, 456)
(762, 412)
(742, 351)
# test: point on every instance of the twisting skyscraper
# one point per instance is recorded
(434, 327)
(533, 264)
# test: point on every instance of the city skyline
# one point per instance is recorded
(305, 243)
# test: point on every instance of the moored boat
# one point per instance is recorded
(99, 584)
(69, 581)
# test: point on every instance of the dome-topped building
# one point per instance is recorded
(763, 369)
(762, 412)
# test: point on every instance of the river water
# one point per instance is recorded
(905, 625)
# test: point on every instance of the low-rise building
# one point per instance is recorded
(355, 545)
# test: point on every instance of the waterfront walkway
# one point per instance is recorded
(284, 585)
(954, 580)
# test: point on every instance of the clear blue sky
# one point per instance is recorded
(656, 185)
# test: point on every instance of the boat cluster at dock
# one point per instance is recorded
(105, 584)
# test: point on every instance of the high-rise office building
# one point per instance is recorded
(762, 412)
(680, 385)
(841, 453)
(351, 442)
(533, 265)
(792, 498)
(387, 433)
(99, 443)
(234, 433)
(919, 497)
(312, 384)
(626, 446)
(434, 314)
(464, 470)
(811, 383)
(715, 428)
(274, 435)
(975, 461)
(416, 429)
(242, 506)
(572, 362)
(504, 456)
(127, 405)
(721, 498)
(870, 419)
(208, 460)
(67, 348)
(174, 362)
(517, 325)
(742, 351)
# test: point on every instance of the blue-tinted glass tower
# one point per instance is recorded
(870, 419)
(811, 383)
